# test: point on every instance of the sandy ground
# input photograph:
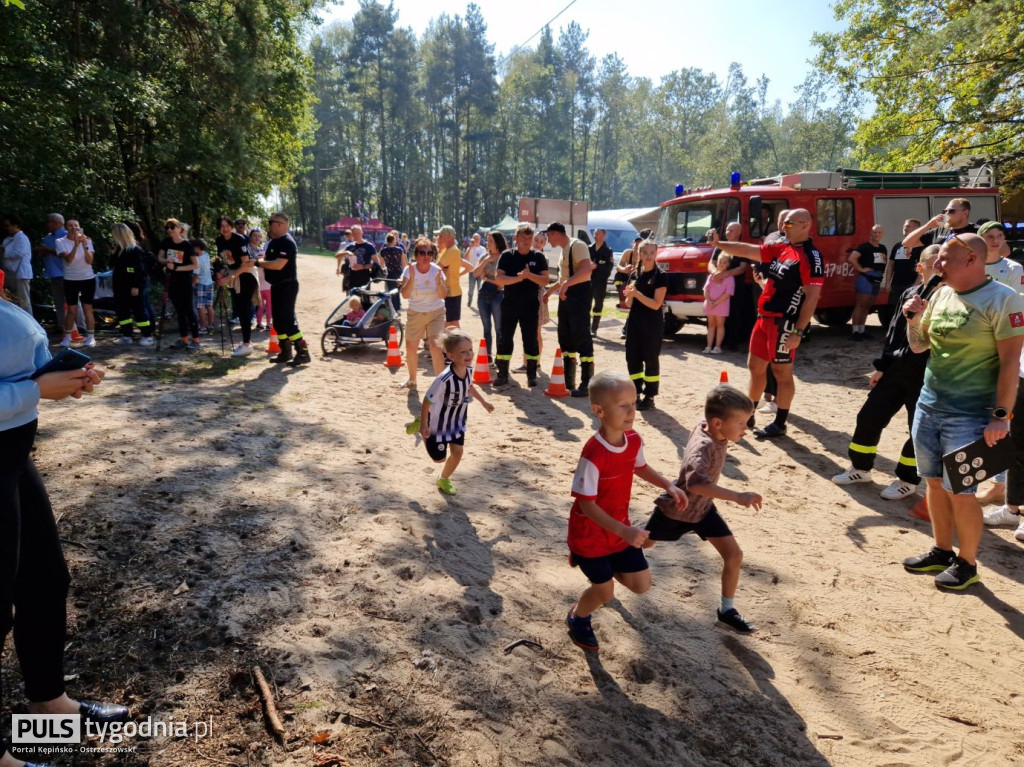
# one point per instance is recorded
(314, 544)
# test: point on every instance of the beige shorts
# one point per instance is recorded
(421, 325)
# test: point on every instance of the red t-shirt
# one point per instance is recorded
(791, 268)
(604, 475)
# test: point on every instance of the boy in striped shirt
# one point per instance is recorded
(443, 416)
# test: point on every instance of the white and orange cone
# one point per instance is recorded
(273, 347)
(556, 387)
(394, 359)
(482, 371)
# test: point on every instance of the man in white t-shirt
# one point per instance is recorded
(998, 265)
(474, 253)
(79, 280)
(17, 261)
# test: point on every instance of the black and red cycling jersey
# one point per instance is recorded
(788, 269)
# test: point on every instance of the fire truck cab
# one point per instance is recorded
(844, 205)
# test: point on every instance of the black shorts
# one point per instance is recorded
(453, 308)
(602, 569)
(438, 449)
(664, 528)
(79, 289)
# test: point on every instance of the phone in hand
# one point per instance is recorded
(69, 359)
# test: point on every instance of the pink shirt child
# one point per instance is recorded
(715, 289)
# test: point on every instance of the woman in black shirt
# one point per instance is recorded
(233, 248)
(178, 256)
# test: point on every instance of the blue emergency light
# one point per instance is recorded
(679, 190)
(735, 178)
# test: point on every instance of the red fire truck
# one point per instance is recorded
(844, 205)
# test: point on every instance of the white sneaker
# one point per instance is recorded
(898, 489)
(1001, 515)
(1019, 532)
(65, 342)
(123, 340)
(716, 350)
(146, 341)
(706, 350)
(769, 408)
(90, 341)
(852, 475)
(242, 350)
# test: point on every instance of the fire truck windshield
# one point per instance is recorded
(690, 221)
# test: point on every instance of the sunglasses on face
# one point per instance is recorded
(949, 211)
(421, 252)
(170, 228)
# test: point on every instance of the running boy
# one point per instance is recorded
(443, 416)
(602, 542)
(726, 411)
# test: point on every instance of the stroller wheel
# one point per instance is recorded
(330, 341)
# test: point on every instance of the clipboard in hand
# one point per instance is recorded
(976, 462)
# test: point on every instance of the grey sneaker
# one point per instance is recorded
(958, 576)
(194, 346)
(179, 344)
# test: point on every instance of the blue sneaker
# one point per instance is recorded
(581, 632)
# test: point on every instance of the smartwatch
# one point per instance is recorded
(1001, 413)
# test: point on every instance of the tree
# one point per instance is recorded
(945, 79)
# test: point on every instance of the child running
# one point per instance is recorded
(726, 411)
(602, 542)
(442, 421)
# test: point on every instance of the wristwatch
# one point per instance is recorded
(801, 333)
(1001, 414)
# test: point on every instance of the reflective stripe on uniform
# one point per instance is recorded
(532, 357)
(652, 379)
(863, 448)
(503, 357)
(295, 337)
(586, 359)
(125, 322)
(908, 461)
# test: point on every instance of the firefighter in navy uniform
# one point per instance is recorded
(896, 382)
(278, 264)
(604, 261)
(795, 274)
(575, 296)
(521, 272)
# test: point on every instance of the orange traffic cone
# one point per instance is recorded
(482, 371)
(394, 359)
(920, 510)
(556, 387)
(724, 378)
(273, 347)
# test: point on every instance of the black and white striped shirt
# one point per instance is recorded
(449, 399)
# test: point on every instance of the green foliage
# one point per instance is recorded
(433, 130)
(145, 109)
(945, 79)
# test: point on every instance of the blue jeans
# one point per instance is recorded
(490, 312)
(474, 283)
(937, 433)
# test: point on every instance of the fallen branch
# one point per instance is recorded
(273, 721)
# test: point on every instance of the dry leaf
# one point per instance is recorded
(322, 737)
(181, 589)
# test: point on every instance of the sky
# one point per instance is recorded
(660, 37)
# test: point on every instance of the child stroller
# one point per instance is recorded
(375, 326)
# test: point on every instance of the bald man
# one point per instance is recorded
(974, 328)
(795, 273)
